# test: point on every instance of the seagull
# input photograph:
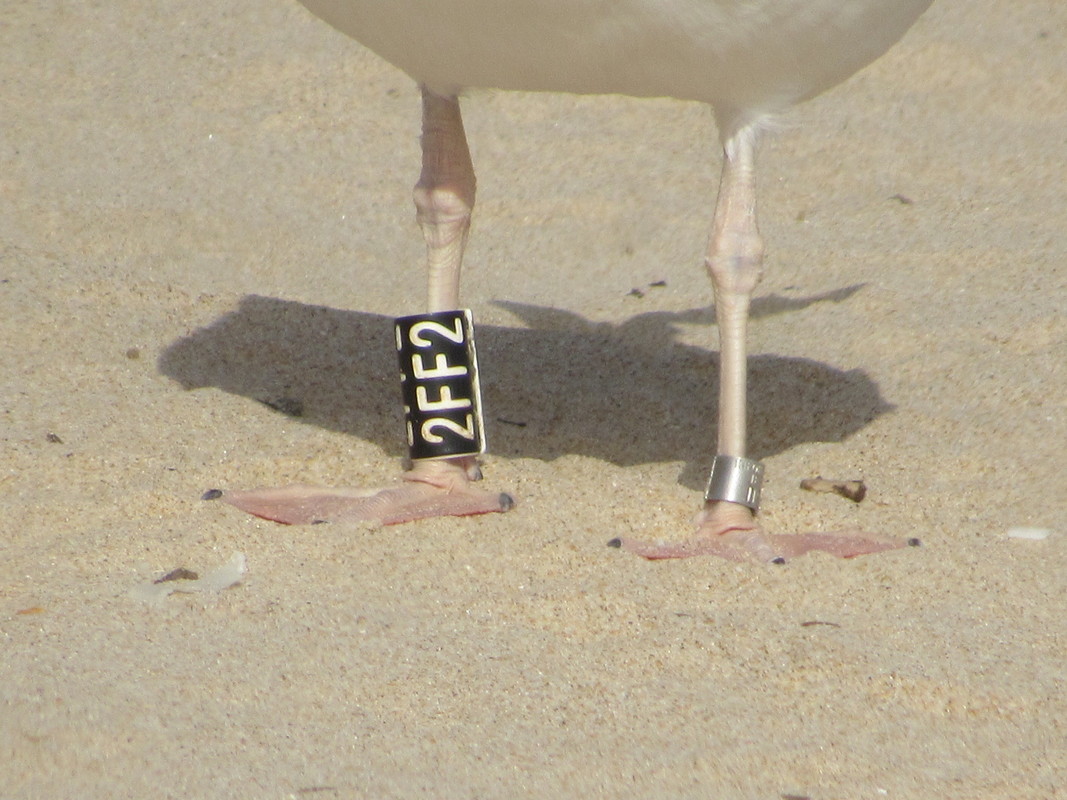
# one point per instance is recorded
(750, 60)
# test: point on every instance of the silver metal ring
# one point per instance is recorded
(735, 480)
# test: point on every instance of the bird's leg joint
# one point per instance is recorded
(443, 212)
(735, 262)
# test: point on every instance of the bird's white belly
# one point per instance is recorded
(745, 57)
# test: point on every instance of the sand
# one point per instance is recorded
(205, 207)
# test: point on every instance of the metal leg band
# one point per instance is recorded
(439, 383)
(736, 480)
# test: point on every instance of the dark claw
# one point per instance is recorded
(915, 543)
(211, 494)
(507, 502)
(616, 542)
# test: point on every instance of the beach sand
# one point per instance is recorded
(205, 209)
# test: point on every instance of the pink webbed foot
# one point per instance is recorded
(729, 531)
(431, 489)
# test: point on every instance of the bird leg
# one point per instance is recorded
(727, 526)
(444, 197)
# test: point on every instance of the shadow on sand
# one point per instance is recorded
(626, 393)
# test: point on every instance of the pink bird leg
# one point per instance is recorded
(444, 197)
